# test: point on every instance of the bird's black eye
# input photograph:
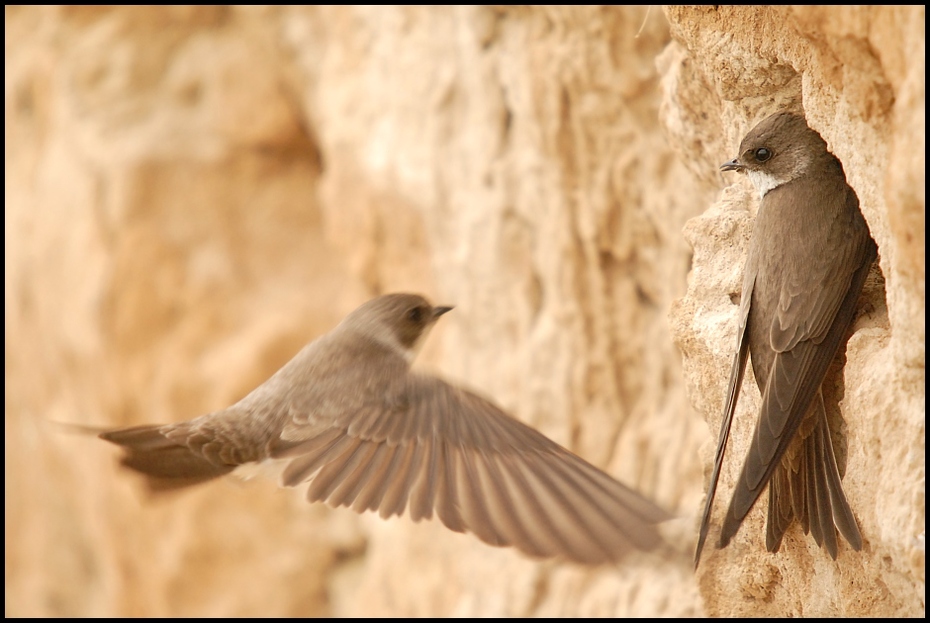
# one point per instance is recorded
(415, 314)
(762, 154)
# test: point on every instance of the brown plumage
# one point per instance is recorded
(351, 419)
(808, 258)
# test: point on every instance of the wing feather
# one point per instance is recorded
(737, 371)
(541, 510)
(794, 379)
(410, 457)
(437, 449)
(367, 460)
(423, 488)
(317, 452)
(340, 466)
(447, 504)
(375, 482)
(492, 519)
(560, 504)
(525, 521)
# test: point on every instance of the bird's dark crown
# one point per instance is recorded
(401, 316)
(779, 149)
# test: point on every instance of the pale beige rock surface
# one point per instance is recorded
(857, 74)
(194, 193)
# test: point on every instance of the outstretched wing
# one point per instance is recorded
(435, 448)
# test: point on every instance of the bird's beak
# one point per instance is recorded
(732, 165)
(439, 311)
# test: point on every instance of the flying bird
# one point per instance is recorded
(348, 416)
(809, 255)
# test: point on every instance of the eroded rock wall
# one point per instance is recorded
(857, 73)
(194, 193)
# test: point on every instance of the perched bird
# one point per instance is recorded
(809, 255)
(349, 416)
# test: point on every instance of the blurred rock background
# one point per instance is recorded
(194, 193)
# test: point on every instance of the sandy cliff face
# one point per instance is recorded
(192, 194)
(858, 75)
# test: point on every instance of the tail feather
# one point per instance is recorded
(811, 491)
(167, 464)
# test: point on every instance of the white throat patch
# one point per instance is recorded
(764, 182)
(411, 353)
